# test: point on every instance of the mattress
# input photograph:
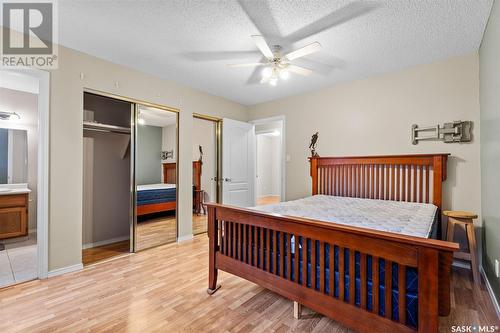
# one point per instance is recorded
(408, 218)
(155, 187)
(155, 193)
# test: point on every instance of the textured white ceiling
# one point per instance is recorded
(157, 117)
(191, 41)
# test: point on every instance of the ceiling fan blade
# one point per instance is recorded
(204, 56)
(303, 51)
(322, 68)
(344, 14)
(256, 75)
(263, 47)
(260, 14)
(299, 70)
(250, 64)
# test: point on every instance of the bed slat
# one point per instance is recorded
(376, 284)
(402, 293)
(313, 264)
(332, 269)
(296, 257)
(304, 261)
(352, 276)
(322, 267)
(341, 274)
(388, 289)
(363, 281)
(282, 254)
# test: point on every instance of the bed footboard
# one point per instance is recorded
(368, 280)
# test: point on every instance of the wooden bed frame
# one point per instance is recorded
(400, 178)
(170, 177)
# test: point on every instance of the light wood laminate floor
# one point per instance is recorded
(156, 231)
(105, 252)
(162, 230)
(200, 224)
(164, 290)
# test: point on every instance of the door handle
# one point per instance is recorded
(227, 179)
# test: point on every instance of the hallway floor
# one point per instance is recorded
(18, 262)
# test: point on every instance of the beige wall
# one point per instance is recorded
(66, 140)
(489, 59)
(374, 116)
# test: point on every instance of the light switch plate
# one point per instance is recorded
(497, 268)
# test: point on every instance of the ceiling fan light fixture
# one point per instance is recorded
(273, 81)
(284, 74)
(267, 72)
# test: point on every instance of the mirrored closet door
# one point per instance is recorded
(206, 159)
(155, 177)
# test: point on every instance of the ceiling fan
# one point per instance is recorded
(279, 66)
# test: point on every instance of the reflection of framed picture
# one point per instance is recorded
(167, 154)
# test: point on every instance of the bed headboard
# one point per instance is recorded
(413, 178)
(170, 173)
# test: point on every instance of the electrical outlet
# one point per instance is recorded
(497, 268)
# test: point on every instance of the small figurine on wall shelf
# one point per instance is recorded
(312, 145)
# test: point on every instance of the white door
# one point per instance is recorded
(238, 163)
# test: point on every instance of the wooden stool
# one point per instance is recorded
(465, 219)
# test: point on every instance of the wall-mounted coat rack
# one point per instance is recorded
(457, 131)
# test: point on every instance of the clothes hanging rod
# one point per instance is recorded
(98, 127)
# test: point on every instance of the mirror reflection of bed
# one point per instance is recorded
(156, 178)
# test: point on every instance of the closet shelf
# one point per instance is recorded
(95, 126)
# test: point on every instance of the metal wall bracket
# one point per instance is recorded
(457, 131)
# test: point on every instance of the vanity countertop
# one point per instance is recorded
(14, 189)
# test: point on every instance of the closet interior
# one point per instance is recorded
(107, 177)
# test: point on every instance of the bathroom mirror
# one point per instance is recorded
(13, 156)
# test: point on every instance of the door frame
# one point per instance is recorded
(282, 119)
(43, 109)
(218, 152)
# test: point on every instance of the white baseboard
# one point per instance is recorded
(184, 238)
(64, 270)
(104, 242)
(490, 291)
